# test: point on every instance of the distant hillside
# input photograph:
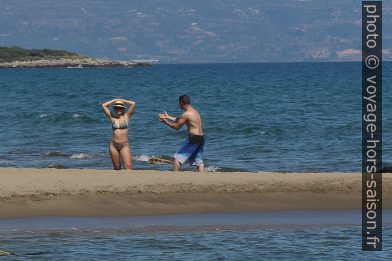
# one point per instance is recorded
(12, 54)
(177, 31)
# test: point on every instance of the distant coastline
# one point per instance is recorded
(71, 63)
(16, 57)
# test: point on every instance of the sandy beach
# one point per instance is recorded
(77, 192)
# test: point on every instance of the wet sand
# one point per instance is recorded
(76, 192)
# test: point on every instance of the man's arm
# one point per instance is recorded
(167, 116)
(179, 122)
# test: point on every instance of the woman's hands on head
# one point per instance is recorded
(105, 108)
(108, 103)
(131, 108)
(130, 102)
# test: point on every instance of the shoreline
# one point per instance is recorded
(190, 222)
(72, 63)
(87, 192)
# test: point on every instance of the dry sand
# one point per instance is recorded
(75, 192)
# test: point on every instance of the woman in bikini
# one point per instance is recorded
(119, 148)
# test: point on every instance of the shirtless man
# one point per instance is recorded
(192, 148)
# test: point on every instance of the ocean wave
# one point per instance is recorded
(65, 117)
(76, 115)
(224, 169)
(79, 155)
(143, 158)
(82, 155)
(6, 163)
(212, 169)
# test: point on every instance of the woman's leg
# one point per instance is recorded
(126, 156)
(115, 156)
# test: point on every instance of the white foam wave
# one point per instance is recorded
(76, 115)
(43, 115)
(81, 155)
(143, 158)
(211, 169)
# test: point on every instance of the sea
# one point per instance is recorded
(280, 117)
(292, 235)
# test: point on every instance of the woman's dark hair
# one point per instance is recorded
(184, 99)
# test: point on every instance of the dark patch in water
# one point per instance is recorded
(56, 166)
(387, 169)
(57, 154)
(228, 169)
(39, 253)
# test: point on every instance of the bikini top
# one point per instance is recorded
(123, 125)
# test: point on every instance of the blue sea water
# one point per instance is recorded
(257, 117)
(293, 235)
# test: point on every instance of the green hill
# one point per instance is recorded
(11, 54)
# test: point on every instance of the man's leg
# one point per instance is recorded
(199, 159)
(176, 165)
(201, 167)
